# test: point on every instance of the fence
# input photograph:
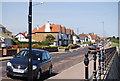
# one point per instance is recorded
(8, 52)
(103, 60)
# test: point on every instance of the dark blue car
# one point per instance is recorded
(18, 66)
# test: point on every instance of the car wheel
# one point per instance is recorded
(9, 75)
(50, 71)
(38, 75)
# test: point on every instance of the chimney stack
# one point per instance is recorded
(37, 27)
(47, 27)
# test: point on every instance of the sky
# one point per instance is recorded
(82, 17)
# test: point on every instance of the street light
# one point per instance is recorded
(30, 76)
(30, 61)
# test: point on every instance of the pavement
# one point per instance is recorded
(5, 58)
(76, 72)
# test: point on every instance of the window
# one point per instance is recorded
(36, 55)
(22, 54)
(0, 29)
(44, 56)
(48, 55)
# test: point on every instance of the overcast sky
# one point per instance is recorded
(87, 17)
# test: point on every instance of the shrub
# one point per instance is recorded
(45, 43)
(87, 42)
(72, 46)
(63, 48)
(36, 46)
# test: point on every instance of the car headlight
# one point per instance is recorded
(9, 64)
(34, 67)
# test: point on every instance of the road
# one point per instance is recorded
(60, 63)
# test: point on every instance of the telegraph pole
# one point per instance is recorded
(30, 74)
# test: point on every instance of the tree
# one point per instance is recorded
(50, 38)
(16, 41)
(117, 38)
(114, 37)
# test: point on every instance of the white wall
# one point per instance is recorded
(47, 27)
(59, 35)
(20, 37)
(74, 39)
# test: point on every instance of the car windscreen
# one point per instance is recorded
(36, 55)
(22, 54)
(93, 46)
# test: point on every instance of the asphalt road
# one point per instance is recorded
(60, 63)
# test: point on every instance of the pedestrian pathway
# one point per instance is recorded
(6, 58)
(75, 72)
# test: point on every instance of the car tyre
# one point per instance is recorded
(38, 75)
(8, 75)
(50, 71)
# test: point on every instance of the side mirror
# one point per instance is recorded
(13, 55)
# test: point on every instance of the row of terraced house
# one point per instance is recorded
(63, 35)
(5, 36)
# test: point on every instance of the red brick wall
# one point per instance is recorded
(42, 36)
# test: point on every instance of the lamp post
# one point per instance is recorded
(30, 76)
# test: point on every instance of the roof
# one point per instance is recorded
(42, 29)
(34, 30)
(82, 35)
(24, 34)
(53, 27)
(1, 26)
(68, 31)
(94, 36)
(7, 31)
(63, 29)
(72, 32)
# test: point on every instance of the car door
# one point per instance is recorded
(44, 62)
(49, 61)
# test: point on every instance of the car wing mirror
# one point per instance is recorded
(13, 55)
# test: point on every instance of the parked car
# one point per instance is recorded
(18, 66)
(93, 47)
(3, 45)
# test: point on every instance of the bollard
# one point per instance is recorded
(105, 60)
(94, 72)
(99, 73)
(86, 62)
(102, 63)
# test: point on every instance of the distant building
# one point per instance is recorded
(5, 35)
(62, 34)
(83, 37)
(22, 37)
(93, 37)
